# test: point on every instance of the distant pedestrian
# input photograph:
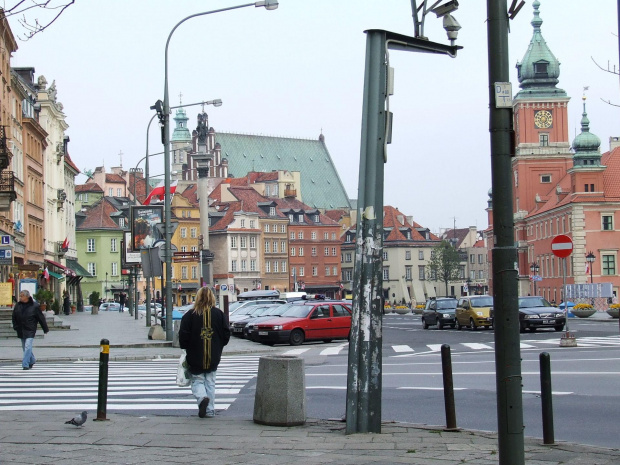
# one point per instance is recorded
(66, 304)
(203, 334)
(26, 315)
(122, 299)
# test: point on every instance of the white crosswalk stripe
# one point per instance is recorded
(605, 341)
(476, 346)
(132, 385)
(402, 348)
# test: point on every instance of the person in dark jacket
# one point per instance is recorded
(26, 315)
(66, 304)
(203, 334)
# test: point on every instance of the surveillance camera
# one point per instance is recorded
(446, 8)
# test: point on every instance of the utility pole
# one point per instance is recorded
(364, 383)
(504, 254)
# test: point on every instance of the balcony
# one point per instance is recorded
(7, 190)
(5, 153)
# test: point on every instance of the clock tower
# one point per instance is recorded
(542, 149)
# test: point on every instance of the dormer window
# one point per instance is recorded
(301, 218)
(272, 211)
(541, 68)
(291, 218)
(316, 218)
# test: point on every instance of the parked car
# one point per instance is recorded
(440, 311)
(238, 325)
(536, 312)
(474, 311)
(239, 304)
(249, 331)
(178, 312)
(111, 307)
(306, 321)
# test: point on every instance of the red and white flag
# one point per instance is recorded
(65, 244)
(158, 194)
(587, 267)
(46, 274)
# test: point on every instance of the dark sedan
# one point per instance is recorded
(440, 312)
(536, 312)
(237, 326)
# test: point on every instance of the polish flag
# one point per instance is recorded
(157, 195)
(65, 244)
(46, 274)
(587, 267)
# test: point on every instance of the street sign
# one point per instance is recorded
(536, 278)
(562, 246)
(6, 240)
(6, 256)
(223, 287)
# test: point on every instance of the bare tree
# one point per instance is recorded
(29, 11)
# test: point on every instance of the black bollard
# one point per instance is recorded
(448, 388)
(545, 398)
(102, 395)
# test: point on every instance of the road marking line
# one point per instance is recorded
(334, 350)
(402, 348)
(434, 347)
(475, 345)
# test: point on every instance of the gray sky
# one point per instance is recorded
(298, 70)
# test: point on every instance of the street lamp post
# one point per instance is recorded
(534, 267)
(106, 285)
(590, 258)
(269, 5)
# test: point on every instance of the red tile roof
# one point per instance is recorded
(88, 187)
(98, 216)
(114, 178)
(69, 162)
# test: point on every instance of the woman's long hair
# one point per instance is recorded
(204, 300)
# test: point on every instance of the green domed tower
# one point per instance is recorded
(587, 146)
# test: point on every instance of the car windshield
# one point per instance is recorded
(531, 302)
(233, 307)
(448, 303)
(482, 302)
(298, 311)
(277, 310)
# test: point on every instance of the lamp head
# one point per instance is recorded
(158, 107)
(217, 103)
(268, 4)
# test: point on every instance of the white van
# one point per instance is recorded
(289, 296)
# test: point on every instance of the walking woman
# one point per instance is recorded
(203, 334)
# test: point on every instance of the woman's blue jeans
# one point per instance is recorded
(203, 385)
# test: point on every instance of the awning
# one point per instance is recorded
(60, 266)
(58, 276)
(78, 269)
(186, 287)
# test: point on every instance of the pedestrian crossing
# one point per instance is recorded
(132, 385)
(404, 350)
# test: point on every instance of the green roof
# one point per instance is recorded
(321, 186)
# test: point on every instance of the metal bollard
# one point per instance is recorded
(546, 398)
(102, 395)
(448, 388)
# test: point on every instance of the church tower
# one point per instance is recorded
(542, 149)
(587, 171)
(180, 139)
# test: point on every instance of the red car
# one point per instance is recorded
(306, 321)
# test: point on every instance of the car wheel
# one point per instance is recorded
(297, 337)
(440, 324)
(327, 341)
(424, 324)
(458, 325)
(559, 327)
(472, 324)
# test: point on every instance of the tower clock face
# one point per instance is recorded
(543, 119)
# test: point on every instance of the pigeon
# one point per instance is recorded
(77, 420)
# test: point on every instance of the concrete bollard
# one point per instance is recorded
(280, 398)
(157, 333)
(176, 325)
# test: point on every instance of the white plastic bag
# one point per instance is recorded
(183, 375)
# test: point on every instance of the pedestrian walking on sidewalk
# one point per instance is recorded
(122, 299)
(66, 304)
(26, 315)
(203, 334)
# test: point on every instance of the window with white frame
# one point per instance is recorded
(385, 255)
(326, 251)
(275, 266)
(421, 273)
(283, 228)
(334, 251)
(313, 235)
(301, 251)
(121, 222)
(480, 259)
(326, 236)
(408, 272)
(114, 269)
(607, 222)
(194, 272)
(315, 271)
(252, 242)
(386, 273)
(480, 274)
(252, 224)
(244, 265)
(301, 271)
(267, 246)
(291, 218)
(335, 271)
(252, 265)
(90, 245)
(267, 266)
(193, 233)
(233, 265)
(317, 218)
(293, 250)
(266, 228)
(275, 247)
(113, 244)
(184, 272)
(300, 218)
(111, 192)
(272, 211)
(283, 266)
(233, 242)
(292, 236)
(407, 254)
(119, 192)
(183, 233)
(348, 275)
(333, 236)
(608, 264)
(242, 224)
(327, 270)
(194, 248)
(348, 257)
(92, 269)
(183, 248)
(300, 235)
(313, 252)
(243, 242)
(420, 254)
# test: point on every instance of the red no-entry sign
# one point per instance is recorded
(562, 246)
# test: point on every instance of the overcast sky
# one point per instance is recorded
(298, 70)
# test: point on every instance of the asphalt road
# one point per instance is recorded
(585, 381)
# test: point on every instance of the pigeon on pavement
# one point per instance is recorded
(78, 420)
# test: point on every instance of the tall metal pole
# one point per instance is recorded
(364, 373)
(268, 4)
(504, 254)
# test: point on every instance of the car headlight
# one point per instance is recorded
(479, 313)
(527, 317)
(250, 327)
(559, 315)
(446, 315)
(277, 327)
